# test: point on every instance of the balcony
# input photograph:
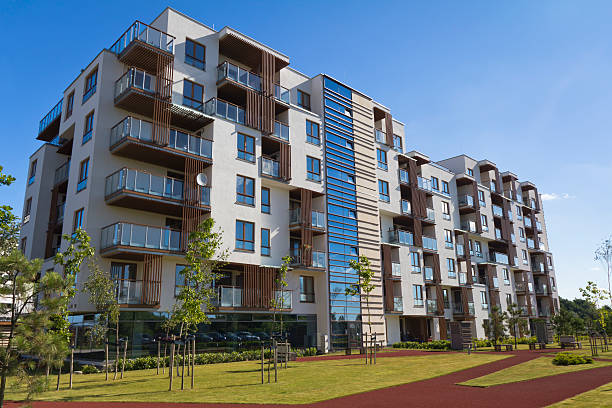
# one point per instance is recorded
(281, 131)
(231, 72)
(466, 201)
(130, 292)
(61, 174)
(381, 137)
(424, 184)
(283, 299)
(124, 238)
(469, 226)
(493, 186)
(498, 234)
(498, 211)
(458, 308)
(60, 210)
(462, 278)
(431, 215)
(396, 270)
(140, 45)
(538, 267)
(230, 296)
(317, 218)
(460, 249)
(404, 177)
(539, 226)
(498, 257)
(432, 307)
(406, 207)
(282, 94)
(135, 92)
(133, 138)
(429, 274)
(530, 243)
(398, 304)
(225, 110)
(270, 168)
(318, 259)
(520, 286)
(528, 223)
(401, 237)
(430, 243)
(48, 127)
(542, 290)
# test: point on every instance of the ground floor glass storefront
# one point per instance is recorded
(225, 332)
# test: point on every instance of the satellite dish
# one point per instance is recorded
(201, 179)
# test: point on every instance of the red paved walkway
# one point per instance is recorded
(435, 392)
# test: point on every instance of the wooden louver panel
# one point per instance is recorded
(436, 268)
(163, 100)
(443, 328)
(268, 65)
(439, 300)
(258, 288)
(192, 193)
(418, 233)
(151, 285)
(253, 109)
(389, 128)
(388, 282)
(285, 162)
(267, 115)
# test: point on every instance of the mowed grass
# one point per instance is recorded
(301, 382)
(599, 397)
(539, 367)
(587, 352)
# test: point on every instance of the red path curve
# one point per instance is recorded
(435, 392)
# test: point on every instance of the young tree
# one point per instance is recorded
(278, 302)
(496, 324)
(364, 286)
(70, 260)
(205, 256)
(603, 254)
(514, 319)
(101, 289)
(593, 295)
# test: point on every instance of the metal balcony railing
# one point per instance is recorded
(233, 72)
(430, 243)
(401, 237)
(144, 182)
(128, 291)
(225, 110)
(270, 167)
(61, 173)
(145, 33)
(53, 114)
(135, 78)
(230, 296)
(140, 236)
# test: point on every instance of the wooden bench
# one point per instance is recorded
(569, 341)
(499, 347)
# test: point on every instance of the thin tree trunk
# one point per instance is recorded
(171, 365)
(116, 349)
(71, 365)
(188, 346)
(193, 363)
(165, 355)
(59, 375)
(158, 354)
(106, 358)
(183, 370)
(2, 385)
(125, 344)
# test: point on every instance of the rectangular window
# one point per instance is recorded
(524, 253)
(312, 133)
(246, 147)
(382, 159)
(88, 128)
(415, 262)
(303, 99)
(450, 263)
(32, 174)
(193, 95)
(470, 172)
(90, 85)
(383, 191)
(446, 298)
(483, 222)
(245, 235)
(478, 248)
(69, 105)
(307, 294)
(508, 299)
(506, 276)
(265, 200)
(83, 174)
(23, 245)
(446, 210)
(519, 213)
(313, 168)
(481, 198)
(397, 143)
(521, 234)
(77, 221)
(245, 190)
(549, 259)
(27, 210)
(194, 54)
(265, 242)
(445, 188)
(483, 300)
(435, 183)
(179, 279)
(448, 238)
(417, 291)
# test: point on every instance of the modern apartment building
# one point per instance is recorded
(176, 122)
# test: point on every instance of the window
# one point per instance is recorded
(83, 173)
(552, 283)
(519, 213)
(312, 133)
(245, 190)
(383, 191)
(508, 299)
(245, 235)
(193, 95)
(446, 210)
(69, 105)
(448, 238)
(470, 172)
(483, 222)
(77, 220)
(303, 100)
(417, 291)
(549, 260)
(194, 54)
(506, 276)
(27, 210)
(307, 294)
(397, 143)
(88, 128)
(23, 245)
(483, 300)
(313, 169)
(246, 147)
(382, 159)
(481, 198)
(32, 175)
(521, 234)
(524, 253)
(446, 298)
(478, 248)
(435, 183)
(265, 200)
(513, 238)
(179, 279)
(450, 263)
(90, 85)
(445, 188)
(415, 262)
(265, 242)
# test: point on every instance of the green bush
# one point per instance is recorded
(430, 345)
(482, 343)
(89, 369)
(565, 359)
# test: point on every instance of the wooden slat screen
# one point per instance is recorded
(440, 300)
(499, 186)
(443, 328)
(388, 282)
(285, 161)
(267, 115)
(268, 64)
(253, 109)
(436, 269)
(163, 100)
(151, 285)
(468, 258)
(418, 232)
(477, 206)
(52, 221)
(258, 287)
(389, 128)
(192, 193)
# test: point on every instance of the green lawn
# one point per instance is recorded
(599, 397)
(587, 352)
(539, 367)
(302, 382)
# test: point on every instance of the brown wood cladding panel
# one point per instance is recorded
(468, 258)
(152, 272)
(388, 300)
(505, 223)
(419, 202)
(258, 287)
(537, 200)
(465, 293)
(162, 103)
(253, 109)
(306, 206)
(387, 264)
(267, 73)
(443, 328)
(499, 186)
(285, 161)
(418, 233)
(436, 268)
(389, 128)
(52, 221)
(306, 234)
(267, 115)
(412, 172)
(439, 300)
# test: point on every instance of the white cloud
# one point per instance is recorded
(555, 196)
(595, 269)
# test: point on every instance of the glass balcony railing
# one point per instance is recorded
(528, 223)
(53, 114)
(142, 182)
(466, 201)
(381, 137)
(469, 226)
(462, 278)
(542, 289)
(61, 208)
(530, 243)
(282, 299)
(225, 110)
(230, 296)
(128, 291)
(460, 250)
(431, 214)
(318, 219)
(190, 144)
(457, 308)
(495, 282)
(513, 237)
(281, 130)
(430, 243)
(510, 215)
(498, 257)
(406, 207)
(270, 167)
(493, 186)
(424, 184)
(61, 173)
(403, 176)
(498, 234)
(140, 236)
(398, 304)
(471, 308)
(537, 267)
(396, 270)
(429, 274)
(538, 225)
(135, 78)
(318, 259)
(401, 237)
(145, 33)
(281, 93)
(432, 306)
(415, 268)
(498, 211)
(295, 216)
(233, 72)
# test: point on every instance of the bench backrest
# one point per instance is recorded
(566, 339)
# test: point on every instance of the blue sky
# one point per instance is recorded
(526, 84)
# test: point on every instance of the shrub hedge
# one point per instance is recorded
(565, 359)
(430, 345)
